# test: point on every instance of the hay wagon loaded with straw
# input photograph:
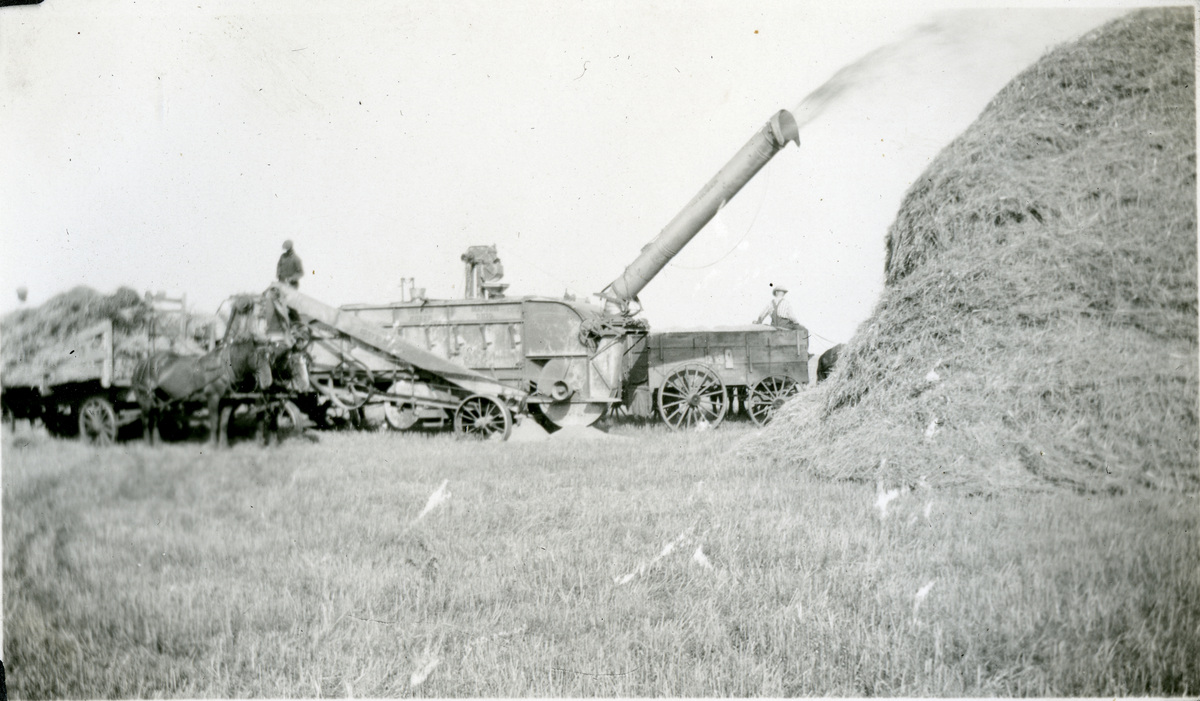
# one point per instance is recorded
(78, 382)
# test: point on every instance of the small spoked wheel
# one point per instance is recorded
(692, 396)
(481, 416)
(285, 418)
(768, 395)
(97, 421)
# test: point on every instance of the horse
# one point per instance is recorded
(289, 365)
(166, 377)
(827, 360)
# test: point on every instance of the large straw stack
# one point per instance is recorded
(1039, 322)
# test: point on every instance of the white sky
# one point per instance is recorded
(174, 146)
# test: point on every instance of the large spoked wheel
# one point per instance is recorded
(768, 395)
(97, 421)
(480, 416)
(692, 396)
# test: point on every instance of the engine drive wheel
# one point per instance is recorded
(484, 417)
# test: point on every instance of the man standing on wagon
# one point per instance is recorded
(779, 310)
(289, 269)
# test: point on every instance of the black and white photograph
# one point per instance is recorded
(626, 349)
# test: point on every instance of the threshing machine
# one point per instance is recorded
(563, 360)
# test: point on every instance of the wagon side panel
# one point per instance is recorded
(777, 353)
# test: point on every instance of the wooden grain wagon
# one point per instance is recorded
(698, 376)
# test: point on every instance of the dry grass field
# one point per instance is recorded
(651, 563)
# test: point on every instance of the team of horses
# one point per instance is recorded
(167, 384)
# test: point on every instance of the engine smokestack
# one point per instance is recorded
(703, 207)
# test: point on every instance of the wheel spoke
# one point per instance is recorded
(672, 398)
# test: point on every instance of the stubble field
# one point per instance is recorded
(651, 563)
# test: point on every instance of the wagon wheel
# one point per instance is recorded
(768, 395)
(286, 418)
(97, 421)
(692, 395)
(290, 418)
(480, 416)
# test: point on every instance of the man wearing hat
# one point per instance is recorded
(289, 269)
(780, 311)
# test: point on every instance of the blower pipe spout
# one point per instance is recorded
(621, 294)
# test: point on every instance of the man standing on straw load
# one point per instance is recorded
(780, 311)
(289, 269)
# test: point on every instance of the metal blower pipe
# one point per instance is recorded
(761, 148)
